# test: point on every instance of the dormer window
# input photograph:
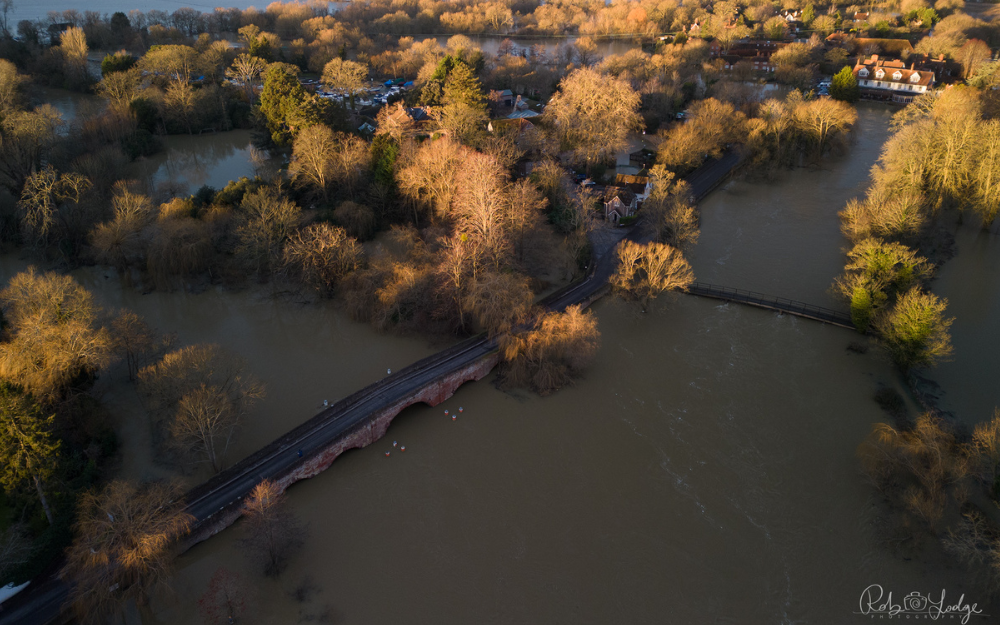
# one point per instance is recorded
(897, 75)
(914, 77)
(862, 72)
(880, 74)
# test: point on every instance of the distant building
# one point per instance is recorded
(619, 203)
(943, 70)
(400, 121)
(624, 197)
(891, 80)
(870, 45)
(523, 114)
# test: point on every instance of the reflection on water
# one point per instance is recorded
(971, 282)
(189, 162)
(69, 103)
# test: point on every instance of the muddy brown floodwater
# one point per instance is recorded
(703, 471)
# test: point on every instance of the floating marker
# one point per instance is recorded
(388, 371)
(453, 417)
(387, 454)
(393, 443)
(445, 412)
(402, 448)
(326, 402)
(460, 409)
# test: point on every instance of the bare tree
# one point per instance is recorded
(265, 221)
(986, 179)
(586, 51)
(271, 530)
(359, 220)
(321, 256)
(28, 137)
(122, 546)
(669, 214)
(10, 85)
(645, 271)
(479, 206)
(119, 242)
(55, 337)
(711, 126)
(919, 470)
(346, 77)
(44, 193)
(975, 543)
(120, 88)
(553, 353)
(226, 599)
(136, 342)
(499, 301)
(595, 128)
(971, 55)
(73, 45)
(896, 215)
(312, 159)
(246, 71)
(986, 451)
(209, 392)
(427, 177)
(824, 119)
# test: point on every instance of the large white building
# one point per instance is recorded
(882, 79)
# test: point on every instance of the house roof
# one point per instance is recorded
(519, 124)
(622, 193)
(892, 68)
(523, 114)
(417, 114)
(635, 184)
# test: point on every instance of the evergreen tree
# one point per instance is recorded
(286, 107)
(845, 86)
(808, 14)
(27, 450)
(464, 110)
(117, 62)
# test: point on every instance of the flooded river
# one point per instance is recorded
(189, 162)
(702, 472)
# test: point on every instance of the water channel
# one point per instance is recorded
(703, 471)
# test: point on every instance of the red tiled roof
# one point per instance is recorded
(891, 69)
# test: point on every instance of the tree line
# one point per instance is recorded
(938, 167)
(57, 451)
